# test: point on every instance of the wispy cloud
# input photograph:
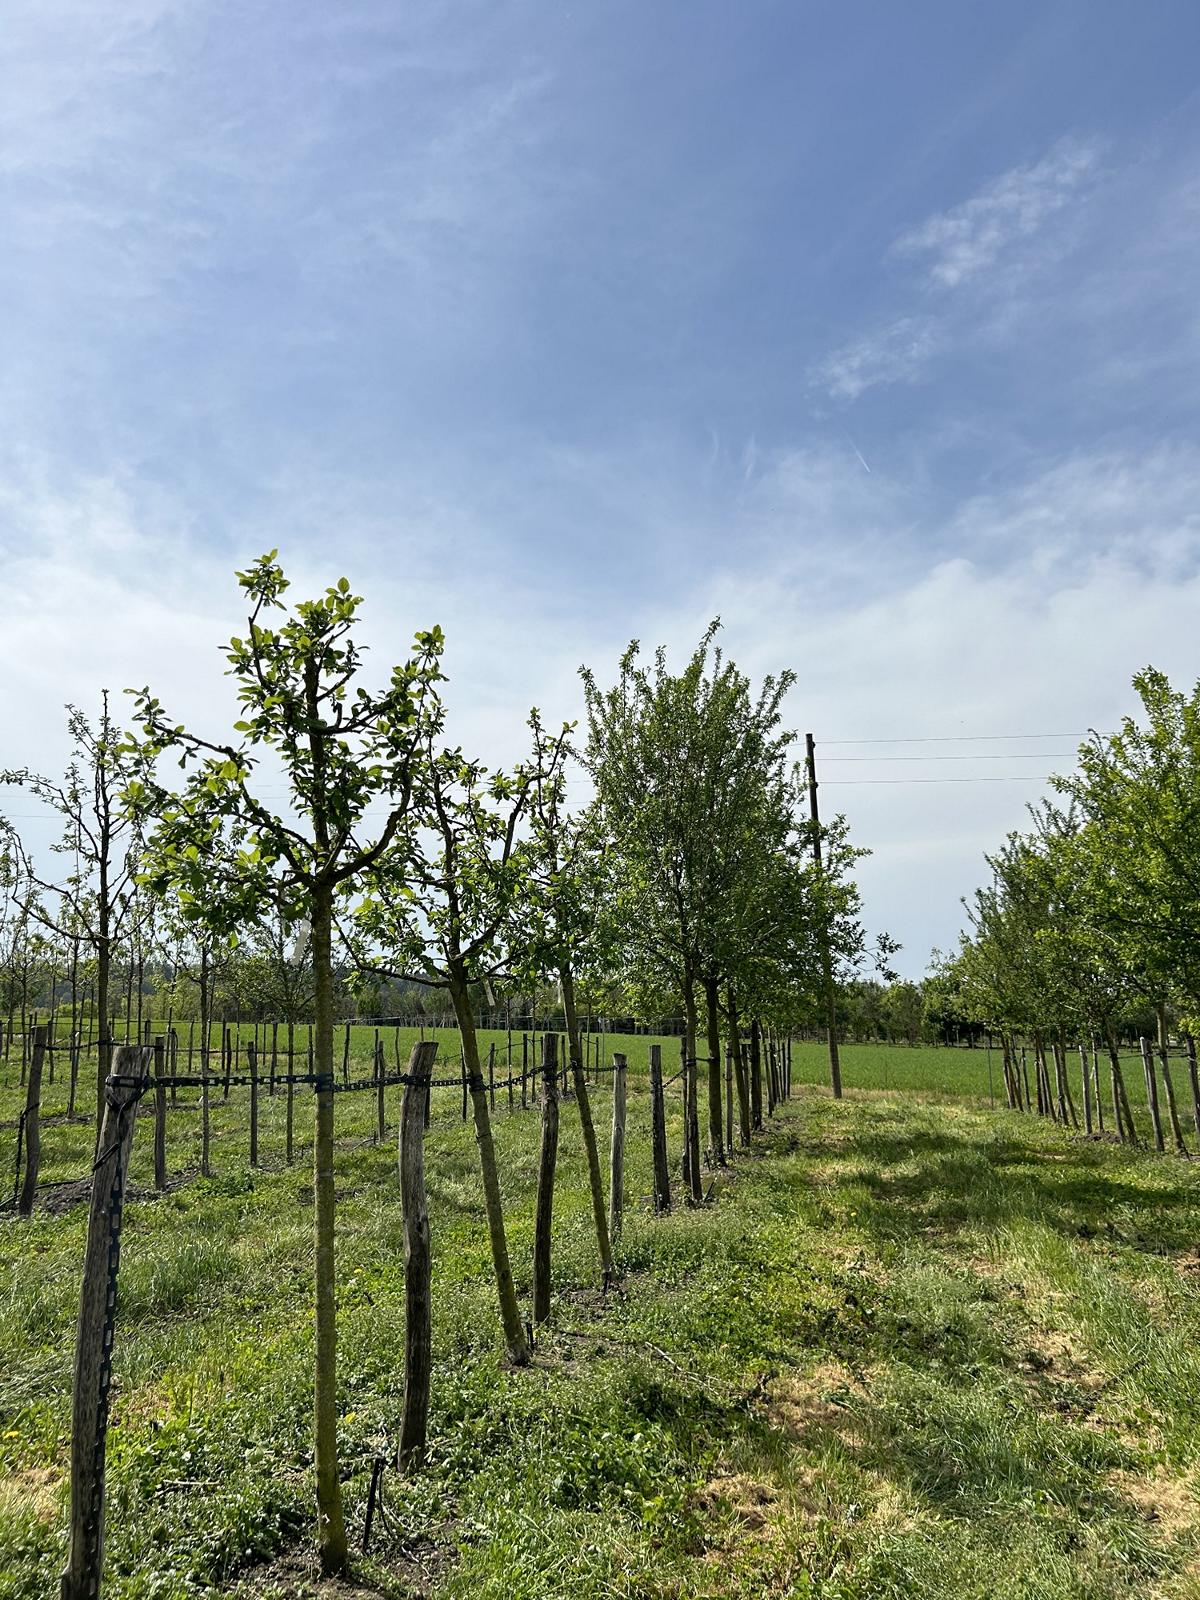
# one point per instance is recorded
(987, 243)
(897, 353)
(959, 244)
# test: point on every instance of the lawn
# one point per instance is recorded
(913, 1347)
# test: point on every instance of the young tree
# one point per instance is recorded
(101, 841)
(569, 865)
(446, 911)
(341, 749)
(680, 764)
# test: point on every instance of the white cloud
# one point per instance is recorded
(995, 244)
(897, 353)
(1023, 611)
(959, 244)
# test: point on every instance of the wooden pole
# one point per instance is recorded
(205, 1165)
(252, 1063)
(1168, 1085)
(96, 1326)
(418, 1263)
(835, 1066)
(616, 1191)
(756, 1085)
(658, 1133)
(33, 1133)
(380, 1101)
(1087, 1089)
(1152, 1093)
(160, 1114)
(547, 1161)
(1194, 1080)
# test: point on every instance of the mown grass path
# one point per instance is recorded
(912, 1349)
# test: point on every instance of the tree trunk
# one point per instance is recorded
(331, 1530)
(1087, 1090)
(1120, 1099)
(418, 1302)
(547, 1161)
(510, 1311)
(586, 1125)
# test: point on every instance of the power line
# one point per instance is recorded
(956, 738)
(987, 755)
(1012, 777)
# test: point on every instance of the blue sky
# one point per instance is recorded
(873, 329)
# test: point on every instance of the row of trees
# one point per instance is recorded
(690, 883)
(1088, 923)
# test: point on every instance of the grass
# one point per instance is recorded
(915, 1347)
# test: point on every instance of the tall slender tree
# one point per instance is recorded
(341, 749)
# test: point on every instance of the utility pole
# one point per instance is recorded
(835, 1066)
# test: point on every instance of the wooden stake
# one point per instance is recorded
(418, 1264)
(160, 1114)
(33, 1134)
(97, 1320)
(252, 1063)
(547, 1161)
(658, 1133)
(616, 1191)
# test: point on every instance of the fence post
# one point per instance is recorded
(728, 1098)
(755, 1075)
(418, 1304)
(380, 1101)
(252, 1063)
(97, 1319)
(160, 1114)
(1152, 1094)
(616, 1190)
(32, 1120)
(547, 1160)
(658, 1133)
(492, 1076)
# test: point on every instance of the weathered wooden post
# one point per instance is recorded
(205, 1130)
(160, 1114)
(418, 1301)
(1087, 1090)
(728, 1098)
(547, 1161)
(123, 1088)
(1152, 1094)
(658, 1133)
(380, 1086)
(1194, 1079)
(252, 1063)
(756, 1075)
(32, 1120)
(616, 1191)
(1164, 1050)
(492, 1076)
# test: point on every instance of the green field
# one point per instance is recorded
(914, 1347)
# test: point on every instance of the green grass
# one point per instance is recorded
(914, 1348)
